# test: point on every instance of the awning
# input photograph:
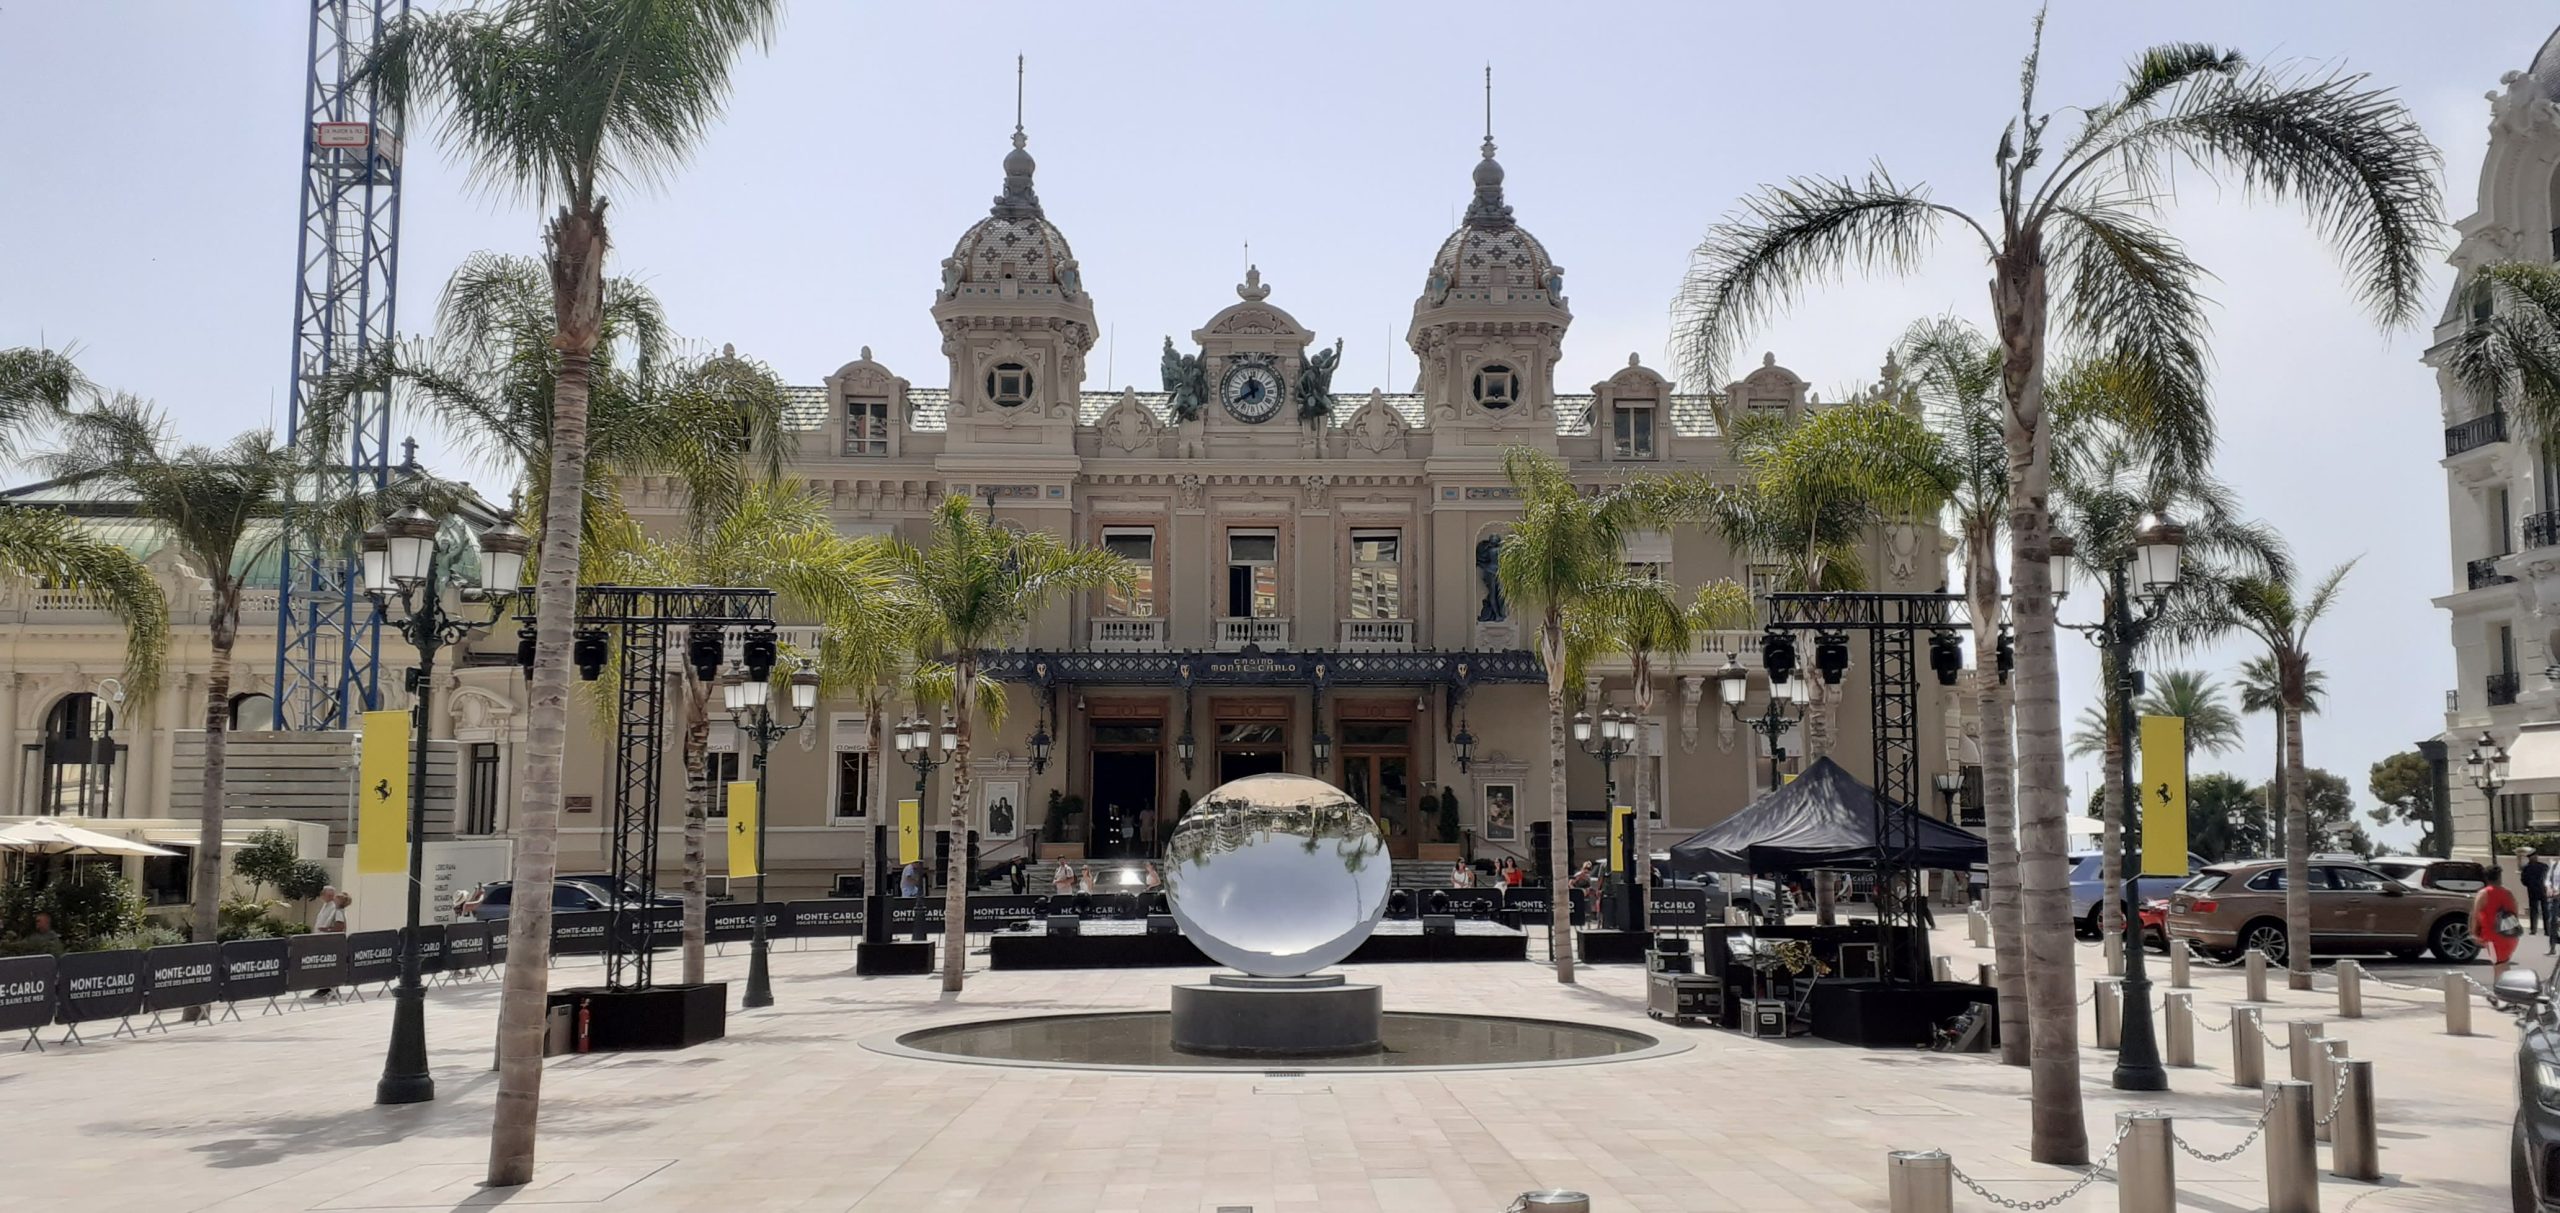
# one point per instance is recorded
(2533, 761)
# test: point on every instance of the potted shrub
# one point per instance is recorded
(1442, 815)
(1061, 841)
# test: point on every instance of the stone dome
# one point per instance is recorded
(1015, 241)
(1489, 249)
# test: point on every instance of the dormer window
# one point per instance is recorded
(1009, 385)
(1631, 429)
(866, 427)
(1496, 386)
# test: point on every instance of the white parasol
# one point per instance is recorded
(45, 836)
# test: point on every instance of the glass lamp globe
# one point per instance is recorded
(1277, 875)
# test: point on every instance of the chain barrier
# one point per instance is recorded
(2085, 998)
(2208, 1025)
(2234, 1152)
(2337, 1098)
(2280, 1046)
(2097, 1170)
(2393, 985)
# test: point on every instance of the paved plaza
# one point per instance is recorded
(274, 1112)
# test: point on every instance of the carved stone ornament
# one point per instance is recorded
(1693, 687)
(1376, 429)
(1186, 492)
(1312, 489)
(1128, 426)
(1902, 550)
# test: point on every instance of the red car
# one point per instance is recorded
(2155, 925)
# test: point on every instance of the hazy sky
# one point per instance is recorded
(148, 172)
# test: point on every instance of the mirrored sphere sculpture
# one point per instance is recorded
(1277, 875)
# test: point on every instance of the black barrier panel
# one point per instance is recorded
(732, 921)
(995, 913)
(665, 925)
(431, 948)
(372, 956)
(26, 992)
(834, 916)
(99, 985)
(498, 929)
(903, 911)
(466, 946)
(252, 968)
(579, 932)
(1678, 907)
(1525, 901)
(182, 975)
(1465, 903)
(317, 961)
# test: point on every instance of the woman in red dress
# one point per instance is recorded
(2494, 922)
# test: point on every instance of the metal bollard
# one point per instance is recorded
(2248, 1049)
(1943, 968)
(2146, 1165)
(2355, 1149)
(2256, 967)
(1920, 1181)
(1736, 916)
(1978, 928)
(2329, 1054)
(2181, 1014)
(2350, 990)
(2108, 1001)
(2297, 1042)
(2113, 948)
(2457, 1005)
(2181, 954)
(1984, 974)
(2293, 1161)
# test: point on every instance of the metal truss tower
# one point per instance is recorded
(346, 278)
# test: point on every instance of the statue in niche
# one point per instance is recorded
(950, 275)
(1489, 571)
(1187, 379)
(1315, 385)
(1071, 279)
(1436, 288)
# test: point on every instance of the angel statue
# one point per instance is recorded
(1315, 385)
(1187, 380)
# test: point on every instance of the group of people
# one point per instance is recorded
(1507, 874)
(1068, 878)
(2494, 921)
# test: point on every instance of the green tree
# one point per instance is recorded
(554, 101)
(974, 587)
(218, 507)
(2075, 222)
(2331, 809)
(37, 388)
(2226, 820)
(2404, 793)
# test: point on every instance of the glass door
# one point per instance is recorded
(1377, 769)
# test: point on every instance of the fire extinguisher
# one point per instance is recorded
(585, 1019)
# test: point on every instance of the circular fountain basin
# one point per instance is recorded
(1144, 1040)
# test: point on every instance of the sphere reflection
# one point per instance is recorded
(1277, 875)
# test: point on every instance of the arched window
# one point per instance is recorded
(79, 757)
(252, 712)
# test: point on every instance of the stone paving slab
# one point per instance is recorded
(789, 1113)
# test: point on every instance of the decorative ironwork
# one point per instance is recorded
(2502, 688)
(2542, 530)
(2471, 435)
(1254, 668)
(2484, 572)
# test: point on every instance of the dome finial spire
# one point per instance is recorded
(1488, 209)
(1017, 103)
(1488, 110)
(1018, 201)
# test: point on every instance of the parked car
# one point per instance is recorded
(1765, 900)
(566, 895)
(2419, 872)
(2155, 924)
(631, 892)
(2231, 908)
(2089, 886)
(2533, 1168)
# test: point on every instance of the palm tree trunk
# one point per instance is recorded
(1641, 665)
(2111, 806)
(697, 820)
(2297, 855)
(955, 892)
(2059, 1133)
(1999, 803)
(217, 722)
(1559, 831)
(576, 242)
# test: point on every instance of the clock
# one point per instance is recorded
(1252, 393)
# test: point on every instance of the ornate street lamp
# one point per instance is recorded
(405, 574)
(1733, 685)
(916, 736)
(748, 694)
(1465, 745)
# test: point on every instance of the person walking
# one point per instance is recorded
(1019, 879)
(2494, 922)
(1062, 879)
(2537, 892)
(2550, 896)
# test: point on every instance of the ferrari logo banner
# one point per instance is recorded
(910, 831)
(2164, 795)
(382, 794)
(742, 829)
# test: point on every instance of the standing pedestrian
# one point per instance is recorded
(2494, 922)
(1019, 879)
(2537, 891)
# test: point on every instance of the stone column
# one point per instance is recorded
(139, 769)
(170, 708)
(11, 772)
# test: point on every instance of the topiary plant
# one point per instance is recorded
(1448, 817)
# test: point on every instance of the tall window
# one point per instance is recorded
(480, 795)
(1632, 430)
(2506, 648)
(1377, 575)
(79, 756)
(853, 784)
(1253, 574)
(2500, 524)
(866, 427)
(1137, 545)
(2514, 815)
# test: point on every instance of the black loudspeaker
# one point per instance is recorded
(1065, 924)
(1156, 904)
(973, 860)
(1040, 907)
(1541, 851)
(1436, 903)
(1162, 924)
(1083, 904)
(942, 856)
(1439, 924)
(1399, 904)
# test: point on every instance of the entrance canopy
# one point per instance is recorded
(2533, 761)
(1826, 819)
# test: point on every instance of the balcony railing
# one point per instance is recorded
(1127, 635)
(1377, 635)
(1235, 634)
(2484, 572)
(2502, 688)
(2471, 435)
(2542, 530)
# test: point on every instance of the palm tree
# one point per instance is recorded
(2279, 617)
(2509, 353)
(2348, 153)
(555, 102)
(1566, 548)
(219, 507)
(37, 388)
(974, 587)
(779, 537)
(2193, 696)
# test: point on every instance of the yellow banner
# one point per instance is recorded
(742, 830)
(910, 831)
(2164, 795)
(1622, 832)
(382, 794)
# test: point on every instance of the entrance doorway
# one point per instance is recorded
(1127, 762)
(1377, 770)
(1251, 748)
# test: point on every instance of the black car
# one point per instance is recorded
(2534, 1171)
(498, 899)
(632, 894)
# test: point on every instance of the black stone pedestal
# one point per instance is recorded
(1235, 1015)
(660, 1017)
(887, 959)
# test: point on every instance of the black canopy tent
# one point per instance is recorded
(1827, 819)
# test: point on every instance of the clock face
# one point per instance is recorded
(1252, 393)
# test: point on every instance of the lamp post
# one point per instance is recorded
(2486, 766)
(1606, 739)
(2149, 574)
(403, 568)
(1733, 683)
(748, 695)
(916, 737)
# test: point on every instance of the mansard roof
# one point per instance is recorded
(1690, 415)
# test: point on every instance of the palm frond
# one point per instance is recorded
(2128, 291)
(51, 549)
(36, 387)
